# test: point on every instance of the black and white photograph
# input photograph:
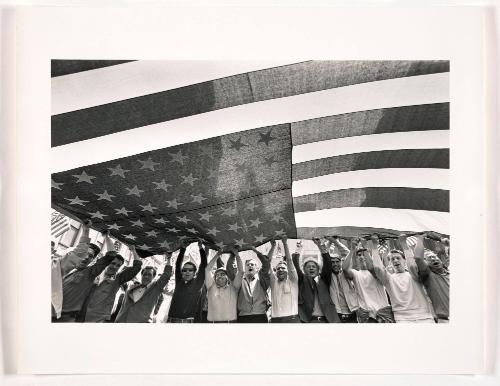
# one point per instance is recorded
(312, 191)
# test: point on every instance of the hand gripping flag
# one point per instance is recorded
(238, 153)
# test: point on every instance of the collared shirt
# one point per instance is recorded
(222, 303)
(284, 296)
(371, 293)
(338, 296)
(252, 298)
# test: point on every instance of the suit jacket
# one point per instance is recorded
(140, 311)
(307, 287)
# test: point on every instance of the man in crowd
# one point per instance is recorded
(284, 290)
(141, 299)
(406, 292)
(342, 290)
(78, 283)
(100, 301)
(188, 287)
(223, 294)
(83, 253)
(315, 304)
(436, 279)
(373, 303)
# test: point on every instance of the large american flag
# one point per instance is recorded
(237, 153)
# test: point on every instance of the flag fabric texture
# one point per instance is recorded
(161, 152)
(59, 224)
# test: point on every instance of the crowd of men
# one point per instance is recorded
(365, 282)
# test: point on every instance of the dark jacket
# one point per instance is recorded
(307, 287)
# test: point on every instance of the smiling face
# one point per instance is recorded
(398, 262)
(336, 264)
(188, 270)
(114, 266)
(311, 269)
(433, 261)
(361, 258)
(221, 278)
(281, 271)
(148, 274)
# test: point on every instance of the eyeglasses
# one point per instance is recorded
(187, 270)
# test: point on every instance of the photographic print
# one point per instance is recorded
(250, 192)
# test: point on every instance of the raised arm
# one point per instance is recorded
(374, 263)
(410, 261)
(343, 250)
(179, 260)
(326, 271)
(292, 272)
(107, 244)
(266, 265)
(239, 275)
(271, 251)
(167, 271)
(423, 267)
(209, 280)
(347, 263)
(130, 272)
(200, 277)
(71, 259)
(296, 264)
(230, 270)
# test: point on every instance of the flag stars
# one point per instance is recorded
(189, 179)
(165, 244)
(173, 230)
(236, 145)
(260, 239)
(220, 245)
(84, 177)
(162, 185)
(213, 231)
(148, 208)
(130, 236)
(277, 217)
(280, 233)
(250, 205)
(266, 138)
(234, 227)
(192, 230)
(149, 164)
(212, 173)
(104, 196)
(118, 171)
(173, 203)
(206, 150)
(255, 223)
(183, 219)
(178, 157)
(144, 247)
(205, 216)
(198, 198)
(229, 211)
(76, 201)
(239, 243)
(160, 220)
(137, 223)
(123, 211)
(152, 233)
(115, 226)
(135, 191)
(55, 185)
(98, 215)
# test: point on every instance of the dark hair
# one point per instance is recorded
(95, 248)
(150, 267)
(398, 252)
(115, 255)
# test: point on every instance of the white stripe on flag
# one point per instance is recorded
(434, 139)
(397, 219)
(60, 226)
(408, 178)
(128, 80)
(415, 90)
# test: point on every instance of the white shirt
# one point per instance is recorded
(407, 297)
(371, 292)
(284, 297)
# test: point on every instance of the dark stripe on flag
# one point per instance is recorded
(390, 120)
(66, 67)
(375, 197)
(227, 92)
(404, 158)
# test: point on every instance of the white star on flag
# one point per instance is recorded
(234, 227)
(148, 164)
(152, 233)
(130, 236)
(178, 157)
(98, 215)
(229, 211)
(162, 185)
(115, 226)
(135, 191)
(165, 244)
(205, 216)
(160, 220)
(198, 198)
(260, 239)
(118, 171)
(192, 230)
(173, 203)
(239, 242)
(144, 247)
(280, 233)
(277, 217)
(122, 211)
(56, 185)
(84, 177)
(104, 196)
(251, 205)
(76, 201)
(148, 208)
(173, 230)
(183, 219)
(137, 223)
(213, 231)
(220, 245)
(255, 223)
(189, 179)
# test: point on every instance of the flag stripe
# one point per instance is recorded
(138, 78)
(66, 67)
(386, 218)
(394, 92)
(433, 116)
(348, 231)
(404, 158)
(410, 178)
(437, 139)
(226, 92)
(378, 197)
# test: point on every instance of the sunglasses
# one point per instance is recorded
(187, 270)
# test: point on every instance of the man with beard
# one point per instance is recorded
(373, 302)
(315, 304)
(221, 293)
(436, 279)
(101, 299)
(284, 290)
(140, 299)
(188, 287)
(83, 254)
(342, 290)
(78, 284)
(406, 292)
